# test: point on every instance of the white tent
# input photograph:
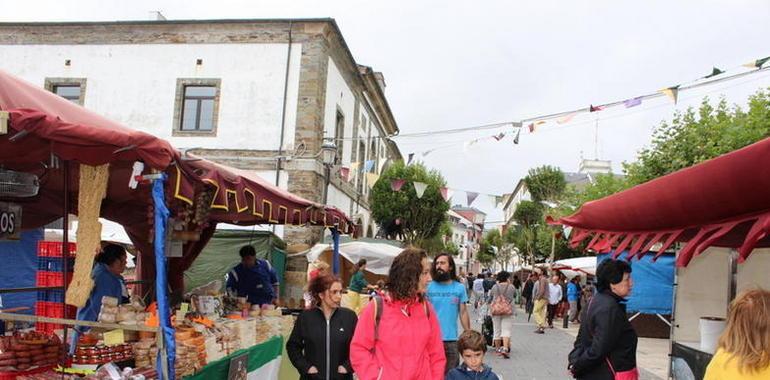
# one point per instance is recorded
(378, 256)
(576, 266)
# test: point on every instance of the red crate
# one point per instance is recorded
(54, 248)
(52, 278)
(53, 310)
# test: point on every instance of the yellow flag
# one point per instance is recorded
(371, 179)
(671, 92)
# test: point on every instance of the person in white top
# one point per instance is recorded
(478, 290)
(554, 297)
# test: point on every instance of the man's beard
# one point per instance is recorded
(442, 276)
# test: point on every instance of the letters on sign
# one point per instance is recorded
(10, 221)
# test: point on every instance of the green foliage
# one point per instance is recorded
(528, 213)
(545, 183)
(421, 218)
(693, 137)
(451, 248)
(603, 185)
(486, 254)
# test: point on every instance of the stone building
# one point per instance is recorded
(259, 95)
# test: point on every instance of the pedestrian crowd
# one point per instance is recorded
(409, 327)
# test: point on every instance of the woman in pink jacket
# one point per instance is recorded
(398, 336)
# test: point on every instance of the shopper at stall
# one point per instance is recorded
(253, 278)
(398, 335)
(358, 289)
(449, 298)
(605, 347)
(319, 343)
(743, 351)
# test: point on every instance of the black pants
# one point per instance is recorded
(551, 313)
(452, 356)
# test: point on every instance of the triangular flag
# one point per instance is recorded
(471, 196)
(345, 174)
(714, 72)
(516, 139)
(446, 193)
(499, 136)
(756, 63)
(419, 188)
(354, 166)
(368, 166)
(535, 124)
(566, 118)
(633, 102)
(594, 108)
(380, 166)
(427, 152)
(671, 92)
(371, 179)
(397, 184)
(409, 161)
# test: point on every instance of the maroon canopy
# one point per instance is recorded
(721, 202)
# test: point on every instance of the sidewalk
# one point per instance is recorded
(544, 357)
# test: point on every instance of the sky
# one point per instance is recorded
(458, 64)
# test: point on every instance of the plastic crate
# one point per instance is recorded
(54, 264)
(53, 310)
(56, 296)
(12, 375)
(52, 278)
(54, 248)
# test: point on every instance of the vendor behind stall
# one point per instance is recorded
(108, 282)
(253, 278)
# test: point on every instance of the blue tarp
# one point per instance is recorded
(19, 258)
(653, 283)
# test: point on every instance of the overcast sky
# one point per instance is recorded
(455, 64)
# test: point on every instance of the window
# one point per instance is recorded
(339, 134)
(197, 107)
(72, 89)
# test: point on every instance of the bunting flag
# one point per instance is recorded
(380, 166)
(427, 152)
(756, 63)
(345, 174)
(471, 197)
(409, 160)
(354, 166)
(714, 72)
(499, 136)
(633, 102)
(516, 139)
(566, 118)
(368, 166)
(446, 193)
(593, 108)
(671, 92)
(419, 188)
(535, 124)
(371, 179)
(397, 184)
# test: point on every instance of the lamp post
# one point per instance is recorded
(328, 155)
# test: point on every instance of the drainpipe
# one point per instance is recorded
(283, 111)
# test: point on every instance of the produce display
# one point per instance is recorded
(127, 314)
(21, 352)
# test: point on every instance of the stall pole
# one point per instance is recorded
(65, 249)
(336, 252)
(166, 358)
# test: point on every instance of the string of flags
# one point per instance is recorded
(532, 124)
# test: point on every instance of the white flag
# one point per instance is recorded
(419, 188)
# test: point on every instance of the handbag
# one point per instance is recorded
(500, 305)
(632, 374)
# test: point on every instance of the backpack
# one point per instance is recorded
(500, 305)
(378, 316)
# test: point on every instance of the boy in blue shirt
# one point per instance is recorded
(472, 347)
(448, 297)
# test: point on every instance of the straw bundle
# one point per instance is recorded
(93, 188)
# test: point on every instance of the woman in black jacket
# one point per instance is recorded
(319, 343)
(606, 342)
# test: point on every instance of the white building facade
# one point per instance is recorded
(258, 95)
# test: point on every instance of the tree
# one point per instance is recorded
(415, 219)
(528, 213)
(545, 183)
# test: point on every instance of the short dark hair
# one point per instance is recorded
(503, 276)
(110, 254)
(320, 284)
(246, 251)
(610, 271)
(452, 266)
(359, 264)
(471, 340)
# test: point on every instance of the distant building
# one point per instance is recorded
(465, 235)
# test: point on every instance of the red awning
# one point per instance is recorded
(721, 202)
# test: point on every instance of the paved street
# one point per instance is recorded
(536, 357)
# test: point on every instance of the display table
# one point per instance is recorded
(688, 361)
(263, 363)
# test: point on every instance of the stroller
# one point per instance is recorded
(485, 320)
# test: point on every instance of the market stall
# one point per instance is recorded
(80, 163)
(717, 216)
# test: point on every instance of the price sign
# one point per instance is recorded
(10, 221)
(114, 337)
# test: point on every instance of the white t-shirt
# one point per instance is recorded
(478, 285)
(554, 293)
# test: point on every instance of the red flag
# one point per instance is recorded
(345, 174)
(396, 184)
(594, 108)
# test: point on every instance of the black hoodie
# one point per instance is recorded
(314, 341)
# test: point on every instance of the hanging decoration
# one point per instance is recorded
(471, 196)
(368, 166)
(354, 169)
(516, 139)
(345, 174)
(396, 184)
(409, 160)
(566, 118)
(419, 188)
(446, 193)
(714, 72)
(593, 108)
(671, 92)
(756, 64)
(633, 102)
(371, 179)
(499, 136)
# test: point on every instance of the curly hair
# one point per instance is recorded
(404, 277)
(320, 284)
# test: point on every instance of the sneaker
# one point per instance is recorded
(505, 354)
(539, 331)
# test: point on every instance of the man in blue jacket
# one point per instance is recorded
(253, 278)
(573, 296)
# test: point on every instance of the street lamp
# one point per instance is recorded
(328, 156)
